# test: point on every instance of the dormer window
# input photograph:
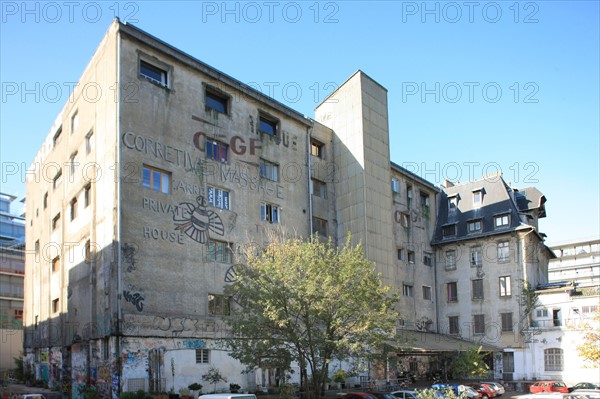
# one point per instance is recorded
(501, 221)
(477, 198)
(474, 226)
(453, 203)
(449, 230)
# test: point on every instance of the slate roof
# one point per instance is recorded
(498, 199)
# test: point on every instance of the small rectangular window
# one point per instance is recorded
(451, 259)
(88, 141)
(55, 222)
(55, 306)
(477, 198)
(220, 251)
(319, 226)
(427, 258)
(88, 251)
(45, 201)
(505, 288)
(156, 179)
(407, 290)
(269, 213)
(501, 221)
(503, 251)
(476, 260)
(218, 197)
(216, 150)
(317, 149)
(449, 231)
(411, 257)
(202, 356)
(215, 101)
(453, 325)
(424, 200)
(427, 293)
(474, 226)
(86, 195)
(73, 208)
(269, 170)
(409, 196)
(395, 186)
(56, 264)
(218, 305)
(267, 125)
(453, 203)
(400, 254)
(318, 188)
(507, 323)
(478, 324)
(541, 313)
(153, 73)
(452, 292)
(57, 136)
(405, 220)
(74, 122)
(477, 289)
(57, 179)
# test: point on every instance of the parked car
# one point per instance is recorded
(405, 394)
(549, 386)
(497, 387)
(584, 385)
(458, 390)
(367, 395)
(485, 391)
(585, 393)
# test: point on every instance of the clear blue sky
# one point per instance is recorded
(473, 87)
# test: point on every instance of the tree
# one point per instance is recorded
(470, 363)
(308, 302)
(213, 376)
(589, 349)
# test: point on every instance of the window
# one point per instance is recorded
(477, 289)
(424, 200)
(474, 226)
(215, 101)
(202, 355)
(449, 231)
(218, 198)
(501, 221)
(55, 222)
(503, 251)
(269, 213)
(219, 251)
(57, 179)
(476, 260)
(477, 198)
(451, 259)
(218, 305)
(156, 179)
(56, 264)
(88, 141)
(73, 164)
(452, 203)
(409, 195)
(45, 201)
(18, 314)
(427, 259)
(507, 323)
(478, 324)
(405, 220)
(86, 196)
(57, 136)
(269, 170)
(505, 289)
(400, 254)
(74, 121)
(73, 208)
(508, 362)
(553, 359)
(452, 292)
(216, 150)
(395, 186)
(88, 251)
(37, 249)
(267, 125)
(411, 257)
(55, 305)
(407, 290)
(453, 325)
(106, 348)
(588, 309)
(153, 73)
(427, 293)
(317, 149)
(318, 188)
(319, 226)
(541, 313)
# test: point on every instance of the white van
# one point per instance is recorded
(228, 396)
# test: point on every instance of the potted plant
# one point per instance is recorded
(214, 376)
(195, 388)
(184, 393)
(340, 377)
(234, 388)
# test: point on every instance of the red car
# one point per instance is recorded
(549, 386)
(485, 391)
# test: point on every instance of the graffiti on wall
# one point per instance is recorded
(135, 298)
(129, 251)
(197, 222)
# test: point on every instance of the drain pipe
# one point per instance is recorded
(309, 174)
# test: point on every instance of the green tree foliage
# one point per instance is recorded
(214, 376)
(309, 302)
(470, 363)
(589, 349)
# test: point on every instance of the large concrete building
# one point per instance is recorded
(12, 269)
(138, 207)
(576, 261)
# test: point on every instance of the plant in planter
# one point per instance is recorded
(340, 376)
(184, 393)
(214, 376)
(195, 388)
(234, 388)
